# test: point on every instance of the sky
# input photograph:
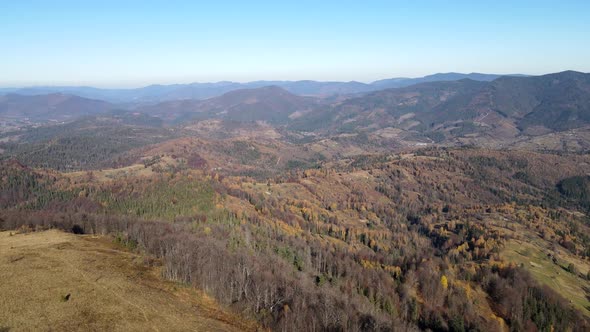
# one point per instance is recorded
(129, 43)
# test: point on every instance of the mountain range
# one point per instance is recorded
(455, 111)
(158, 93)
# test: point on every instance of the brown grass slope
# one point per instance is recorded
(55, 281)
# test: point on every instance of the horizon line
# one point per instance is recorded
(133, 87)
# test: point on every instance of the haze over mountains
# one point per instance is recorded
(54, 106)
(270, 103)
(155, 93)
(442, 108)
(504, 106)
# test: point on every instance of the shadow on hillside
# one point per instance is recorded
(77, 229)
(587, 291)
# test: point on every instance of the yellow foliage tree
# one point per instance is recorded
(444, 282)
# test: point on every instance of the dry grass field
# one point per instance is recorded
(532, 254)
(56, 281)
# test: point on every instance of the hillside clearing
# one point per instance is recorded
(53, 280)
(535, 259)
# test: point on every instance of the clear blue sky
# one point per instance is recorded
(134, 43)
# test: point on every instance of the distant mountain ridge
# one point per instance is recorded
(270, 103)
(463, 111)
(55, 106)
(403, 82)
(158, 93)
(500, 109)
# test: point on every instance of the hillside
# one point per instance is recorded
(403, 82)
(85, 143)
(271, 104)
(464, 111)
(54, 106)
(94, 284)
(359, 240)
(405, 108)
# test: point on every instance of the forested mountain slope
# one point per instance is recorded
(373, 242)
(50, 107)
